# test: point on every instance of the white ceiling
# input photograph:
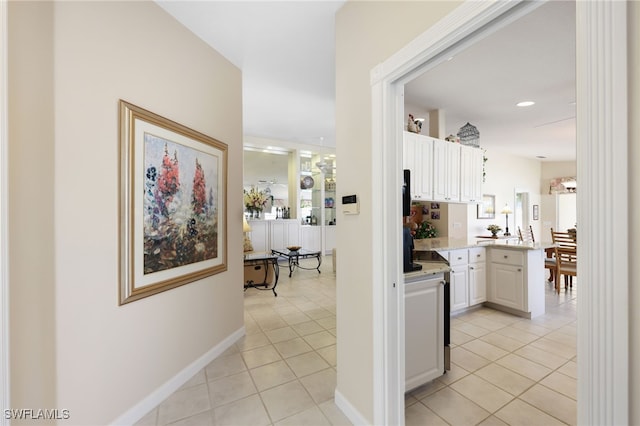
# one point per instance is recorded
(286, 51)
(531, 59)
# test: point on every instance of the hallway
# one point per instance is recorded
(505, 369)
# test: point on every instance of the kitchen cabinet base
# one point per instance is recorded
(508, 310)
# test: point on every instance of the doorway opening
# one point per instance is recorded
(599, 317)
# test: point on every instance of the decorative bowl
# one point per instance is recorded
(294, 248)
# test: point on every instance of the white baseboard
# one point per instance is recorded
(349, 410)
(154, 399)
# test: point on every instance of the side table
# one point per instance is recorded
(293, 258)
(258, 273)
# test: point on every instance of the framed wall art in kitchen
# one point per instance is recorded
(487, 208)
(173, 212)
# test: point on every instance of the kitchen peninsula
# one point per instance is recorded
(502, 274)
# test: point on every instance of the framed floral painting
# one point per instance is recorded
(173, 213)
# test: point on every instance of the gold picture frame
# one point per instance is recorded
(173, 204)
(487, 208)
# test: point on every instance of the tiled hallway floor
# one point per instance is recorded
(506, 370)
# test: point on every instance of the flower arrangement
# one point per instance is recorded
(494, 229)
(254, 200)
(425, 230)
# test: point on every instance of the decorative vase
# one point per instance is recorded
(257, 214)
(494, 235)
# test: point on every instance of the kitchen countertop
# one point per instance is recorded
(428, 244)
(428, 268)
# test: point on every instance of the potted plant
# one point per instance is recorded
(494, 230)
(425, 230)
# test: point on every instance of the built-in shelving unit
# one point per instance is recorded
(312, 197)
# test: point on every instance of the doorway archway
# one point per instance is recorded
(603, 311)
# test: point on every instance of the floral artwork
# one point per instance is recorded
(173, 204)
(180, 221)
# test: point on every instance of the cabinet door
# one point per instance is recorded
(311, 238)
(424, 163)
(293, 232)
(411, 159)
(459, 287)
(284, 233)
(477, 283)
(329, 238)
(507, 285)
(279, 235)
(440, 179)
(259, 235)
(469, 179)
(446, 171)
(424, 332)
(453, 172)
(476, 179)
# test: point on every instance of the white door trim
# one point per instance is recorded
(602, 155)
(4, 206)
(601, 106)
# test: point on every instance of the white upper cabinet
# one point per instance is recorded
(470, 174)
(446, 171)
(441, 170)
(417, 156)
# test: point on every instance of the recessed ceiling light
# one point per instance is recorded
(525, 103)
(540, 156)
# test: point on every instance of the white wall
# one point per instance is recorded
(31, 205)
(367, 33)
(634, 204)
(504, 174)
(98, 358)
(552, 215)
(556, 169)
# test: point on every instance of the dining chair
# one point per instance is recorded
(550, 263)
(564, 240)
(566, 261)
(526, 236)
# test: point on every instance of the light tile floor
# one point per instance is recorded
(506, 370)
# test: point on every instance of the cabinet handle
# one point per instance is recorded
(505, 256)
(519, 270)
(459, 258)
(471, 267)
(443, 283)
